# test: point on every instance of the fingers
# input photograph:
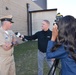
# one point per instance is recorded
(55, 27)
(54, 32)
(53, 59)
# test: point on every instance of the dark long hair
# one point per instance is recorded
(67, 35)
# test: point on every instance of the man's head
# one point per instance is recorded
(6, 22)
(45, 25)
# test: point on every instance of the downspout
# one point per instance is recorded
(27, 5)
(30, 13)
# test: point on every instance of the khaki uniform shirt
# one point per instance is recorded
(6, 37)
(7, 64)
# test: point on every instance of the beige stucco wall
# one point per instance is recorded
(19, 11)
(38, 17)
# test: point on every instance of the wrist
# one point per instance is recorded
(53, 39)
(12, 44)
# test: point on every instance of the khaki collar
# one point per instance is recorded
(4, 31)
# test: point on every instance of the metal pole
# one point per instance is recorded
(27, 5)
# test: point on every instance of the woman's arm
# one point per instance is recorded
(59, 53)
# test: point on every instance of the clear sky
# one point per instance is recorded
(65, 7)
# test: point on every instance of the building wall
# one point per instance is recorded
(19, 11)
(38, 17)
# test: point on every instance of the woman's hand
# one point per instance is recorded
(54, 33)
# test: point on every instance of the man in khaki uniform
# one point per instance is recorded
(7, 42)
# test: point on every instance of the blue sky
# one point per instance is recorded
(65, 7)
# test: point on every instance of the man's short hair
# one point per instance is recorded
(47, 21)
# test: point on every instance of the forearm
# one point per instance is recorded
(6, 47)
(59, 53)
(49, 48)
(14, 43)
(25, 38)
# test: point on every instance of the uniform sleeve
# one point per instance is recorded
(60, 53)
(33, 37)
(12, 34)
(2, 42)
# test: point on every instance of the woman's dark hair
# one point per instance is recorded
(67, 35)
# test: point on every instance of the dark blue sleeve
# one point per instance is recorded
(60, 53)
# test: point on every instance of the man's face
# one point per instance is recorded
(45, 26)
(8, 25)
